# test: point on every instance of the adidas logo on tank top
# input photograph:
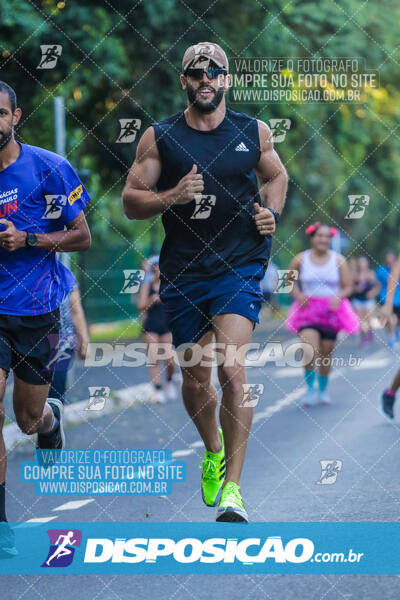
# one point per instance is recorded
(241, 148)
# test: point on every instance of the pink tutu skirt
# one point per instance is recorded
(318, 313)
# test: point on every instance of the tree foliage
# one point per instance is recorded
(122, 59)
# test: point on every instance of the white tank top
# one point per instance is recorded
(320, 281)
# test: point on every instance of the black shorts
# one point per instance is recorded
(158, 326)
(326, 334)
(25, 346)
(156, 320)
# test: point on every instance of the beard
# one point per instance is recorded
(204, 107)
(5, 137)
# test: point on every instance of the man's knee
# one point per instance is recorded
(195, 383)
(28, 421)
(232, 379)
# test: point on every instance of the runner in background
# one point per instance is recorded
(321, 308)
(156, 331)
(366, 288)
(268, 287)
(352, 263)
(382, 274)
(389, 395)
(74, 335)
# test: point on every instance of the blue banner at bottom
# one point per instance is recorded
(368, 548)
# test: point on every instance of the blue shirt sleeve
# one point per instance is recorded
(63, 180)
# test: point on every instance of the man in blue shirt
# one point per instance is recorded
(41, 212)
(207, 163)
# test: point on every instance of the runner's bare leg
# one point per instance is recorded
(201, 398)
(235, 419)
(31, 411)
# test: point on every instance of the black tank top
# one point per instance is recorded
(361, 294)
(214, 232)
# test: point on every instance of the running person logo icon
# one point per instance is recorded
(329, 471)
(62, 547)
(129, 129)
(251, 394)
(357, 206)
(50, 56)
(133, 279)
(97, 397)
(286, 280)
(279, 128)
(54, 206)
(60, 345)
(203, 207)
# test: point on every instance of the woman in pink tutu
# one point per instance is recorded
(321, 308)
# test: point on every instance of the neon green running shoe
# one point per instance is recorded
(213, 476)
(231, 508)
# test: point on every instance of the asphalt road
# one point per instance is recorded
(279, 480)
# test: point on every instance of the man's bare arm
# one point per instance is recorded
(79, 321)
(75, 237)
(139, 199)
(346, 278)
(270, 171)
(392, 283)
(294, 267)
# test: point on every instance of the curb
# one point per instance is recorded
(78, 413)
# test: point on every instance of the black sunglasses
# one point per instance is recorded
(211, 72)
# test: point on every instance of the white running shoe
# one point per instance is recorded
(170, 390)
(309, 398)
(324, 398)
(159, 396)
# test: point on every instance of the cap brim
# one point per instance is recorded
(219, 63)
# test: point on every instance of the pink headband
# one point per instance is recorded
(313, 228)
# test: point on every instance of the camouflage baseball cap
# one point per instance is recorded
(197, 54)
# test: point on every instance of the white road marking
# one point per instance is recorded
(41, 520)
(197, 444)
(73, 505)
(274, 408)
(180, 453)
(375, 364)
(288, 372)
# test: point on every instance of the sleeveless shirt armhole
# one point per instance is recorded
(257, 137)
(158, 136)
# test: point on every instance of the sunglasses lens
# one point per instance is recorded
(195, 73)
(212, 73)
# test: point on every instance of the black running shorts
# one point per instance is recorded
(25, 345)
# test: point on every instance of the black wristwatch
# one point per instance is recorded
(31, 240)
(276, 214)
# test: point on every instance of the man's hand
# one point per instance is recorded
(11, 239)
(264, 220)
(189, 185)
(84, 348)
(385, 314)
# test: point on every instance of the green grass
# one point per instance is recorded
(115, 331)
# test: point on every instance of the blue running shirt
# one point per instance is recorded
(39, 192)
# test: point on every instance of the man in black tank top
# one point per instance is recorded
(218, 221)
